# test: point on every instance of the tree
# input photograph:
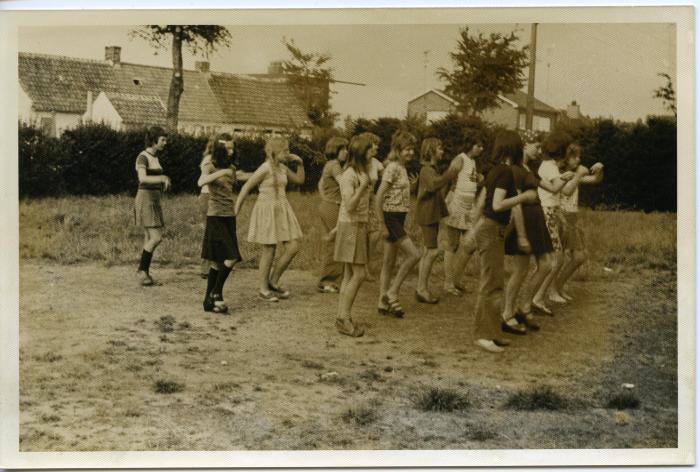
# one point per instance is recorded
(667, 94)
(310, 77)
(483, 68)
(197, 38)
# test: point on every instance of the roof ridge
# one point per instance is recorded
(59, 56)
(250, 77)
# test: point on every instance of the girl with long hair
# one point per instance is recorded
(272, 220)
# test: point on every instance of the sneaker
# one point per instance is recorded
(328, 289)
(488, 345)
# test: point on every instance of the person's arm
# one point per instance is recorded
(595, 176)
(298, 176)
(557, 184)
(207, 178)
(354, 195)
(253, 181)
(320, 181)
(572, 184)
(413, 183)
(501, 203)
(383, 187)
(144, 178)
(432, 181)
(242, 176)
(519, 222)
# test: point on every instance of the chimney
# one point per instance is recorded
(573, 111)
(275, 68)
(88, 109)
(113, 55)
(202, 66)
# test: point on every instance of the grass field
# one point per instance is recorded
(107, 365)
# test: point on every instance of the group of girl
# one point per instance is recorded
(512, 210)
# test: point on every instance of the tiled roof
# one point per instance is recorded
(138, 109)
(57, 83)
(520, 99)
(197, 102)
(265, 101)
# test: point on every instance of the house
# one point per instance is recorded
(510, 112)
(58, 93)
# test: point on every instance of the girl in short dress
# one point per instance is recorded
(430, 209)
(539, 245)
(148, 212)
(329, 190)
(393, 201)
(220, 245)
(272, 220)
(458, 241)
(352, 239)
(575, 253)
(374, 169)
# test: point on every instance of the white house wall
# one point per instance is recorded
(104, 112)
(24, 105)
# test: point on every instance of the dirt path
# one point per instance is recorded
(278, 376)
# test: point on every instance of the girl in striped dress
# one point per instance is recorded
(148, 212)
(272, 220)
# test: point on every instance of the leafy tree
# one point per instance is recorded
(197, 38)
(310, 77)
(667, 94)
(483, 67)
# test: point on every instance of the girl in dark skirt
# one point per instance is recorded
(147, 209)
(538, 240)
(220, 244)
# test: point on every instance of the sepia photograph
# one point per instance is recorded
(442, 230)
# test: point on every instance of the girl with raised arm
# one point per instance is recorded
(272, 220)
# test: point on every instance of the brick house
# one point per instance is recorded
(58, 93)
(510, 112)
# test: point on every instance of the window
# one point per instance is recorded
(136, 81)
(435, 115)
(47, 126)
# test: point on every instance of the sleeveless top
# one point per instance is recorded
(267, 190)
(152, 165)
(465, 185)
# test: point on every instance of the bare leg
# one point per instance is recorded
(424, 269)
(412, 258)
(266, 256)
(520, 267)
(152, 238)
(545, 267)
(388, 261)
(353, 277)
(573, 262)
(291, 248)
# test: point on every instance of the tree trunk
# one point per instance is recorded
(177, 83)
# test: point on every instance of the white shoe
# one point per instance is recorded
(488, 345)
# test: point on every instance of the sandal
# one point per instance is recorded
(279, 291)
(348, 328)
(394, 307)
(219, 304)
(517, 328)
(541, 309)
(268, 296)
(429, 299)
(452, 290)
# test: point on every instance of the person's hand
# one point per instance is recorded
(412, 179)
(524, 245)
(295, 158)
(227, 171)
(597, 167)
(566, 176)
(529, 196)
(364, 181)
(165, 180)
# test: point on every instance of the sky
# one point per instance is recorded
(610, 70)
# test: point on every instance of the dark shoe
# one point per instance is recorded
(430, 300)
(279, 292)
(208, 304)
(527, 320)
(501, 342)
(517, 329)
(219, 304)
(144, 279)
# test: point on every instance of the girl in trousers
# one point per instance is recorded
(352, 239)
(272, 220)
(430, 209)
(539, 241)
(575, 253)
(498, 196)
(393, 201)
(329, 189)
(220, 245)
(148, 212)
(458, 241)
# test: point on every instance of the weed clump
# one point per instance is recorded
(541, 398)
(440, 399)
(167, 386)
(165, 324)
(362, 415)
(623, 401)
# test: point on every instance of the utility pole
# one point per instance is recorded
(531, 78)
(425, 69)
